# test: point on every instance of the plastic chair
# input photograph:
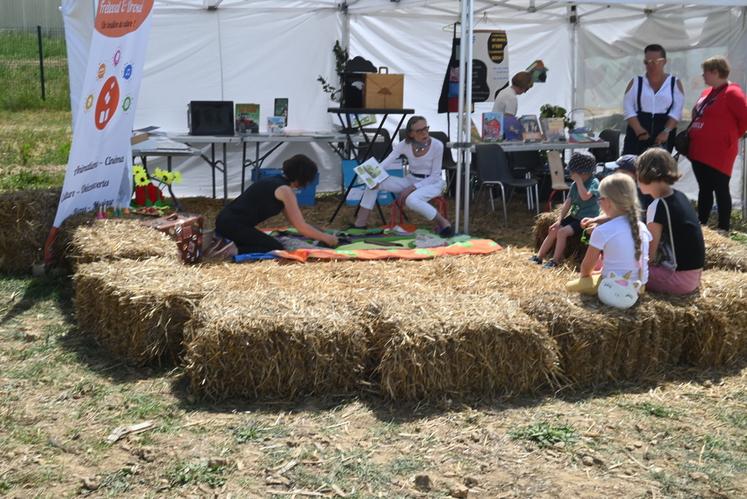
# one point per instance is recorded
(613, 151)
(557, 178)
(493, 169)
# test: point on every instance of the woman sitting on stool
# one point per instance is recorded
(422, 184)
(265, 198)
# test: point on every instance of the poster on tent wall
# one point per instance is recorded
(489, 70)
(98, 169)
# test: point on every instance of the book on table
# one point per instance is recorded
(281, 109)
(532, 131)
(371, 173)
(554, 129)
(513, 131)
(492, 127)
(275, 124)
(247, 118)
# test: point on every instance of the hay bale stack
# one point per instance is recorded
(443, 344)
(118, 239)
(25, 217)
(599, 344)
(277, 343)
(137, 309)
(721, 336)
(724, 253)
(574, 250)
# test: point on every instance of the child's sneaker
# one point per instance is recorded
(550, 264)
(536, 259)
(225, 251)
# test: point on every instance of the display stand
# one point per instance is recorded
(351, 127)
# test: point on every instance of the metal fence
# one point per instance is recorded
(33, 69)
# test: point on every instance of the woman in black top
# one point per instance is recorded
(267, 197)
(673, 224)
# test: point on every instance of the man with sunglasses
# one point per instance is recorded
(652, 105)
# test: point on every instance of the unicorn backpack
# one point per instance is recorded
(618, 292)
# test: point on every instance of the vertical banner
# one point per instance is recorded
(98, 169)
(489, 70)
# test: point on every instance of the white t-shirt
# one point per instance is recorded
(616, 241)
(506, 101)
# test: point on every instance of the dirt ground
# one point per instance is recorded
(66, 405)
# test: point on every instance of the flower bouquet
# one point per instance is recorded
(148, 198)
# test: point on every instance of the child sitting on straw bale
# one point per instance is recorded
(623, 240)
(677, 248)
(581, 203)
(236, 223)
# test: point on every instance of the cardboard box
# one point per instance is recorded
(383, 90)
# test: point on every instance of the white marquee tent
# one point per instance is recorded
(257, 50)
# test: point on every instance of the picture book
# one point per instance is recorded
(532, 131)
(512, 128)
(474, 133)
(275, 124)
(281, 109)
(371, 173)
(492, 127)
(581, 135)
(247, 118)
(554, 129)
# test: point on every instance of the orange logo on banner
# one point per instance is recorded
(107, 103)
(115, 18)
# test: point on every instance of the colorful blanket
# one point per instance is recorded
(375, 244)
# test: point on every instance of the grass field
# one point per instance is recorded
(62, 396)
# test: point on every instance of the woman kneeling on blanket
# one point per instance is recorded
(622, 241)
(423, 183)
(265, 198)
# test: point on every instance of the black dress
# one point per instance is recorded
(238, 220)
(653, 123)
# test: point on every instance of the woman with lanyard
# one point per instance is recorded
(719, 120)
(652, 105)
(421, 184)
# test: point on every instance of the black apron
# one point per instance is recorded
(654, 124)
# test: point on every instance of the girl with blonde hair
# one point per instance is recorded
(622, 241)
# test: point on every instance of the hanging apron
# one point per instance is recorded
(652, 123)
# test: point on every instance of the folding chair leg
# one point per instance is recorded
(503, 199)
(492, 200)
(536, 199)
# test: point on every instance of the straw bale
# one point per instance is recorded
(724, 253)
(25, 218)
(599, 344)
(444, 344)
(117, 239)
(574, 250)
(721, 338)
(137, 309)
(277, 343)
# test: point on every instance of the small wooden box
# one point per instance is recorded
(383, 90)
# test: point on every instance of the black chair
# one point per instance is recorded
(379, 149)
(493, 169)
(527, 162)
(613, 151)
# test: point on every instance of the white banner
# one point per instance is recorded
(489, 64)
(99, 167)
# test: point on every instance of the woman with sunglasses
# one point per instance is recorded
(421, 184)
(652, 105)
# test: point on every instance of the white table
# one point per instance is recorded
(335, 140)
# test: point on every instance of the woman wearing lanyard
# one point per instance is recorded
(719, 120)
(423, 183)
(652, 105)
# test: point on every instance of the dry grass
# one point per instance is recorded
(574, 250)
(724, 253)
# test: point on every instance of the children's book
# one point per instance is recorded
(247, 118)
(371, 173)
(492, 127)
(275, 124)
(281, 109)
(512, 129)
(532, 131)
(554, 129)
